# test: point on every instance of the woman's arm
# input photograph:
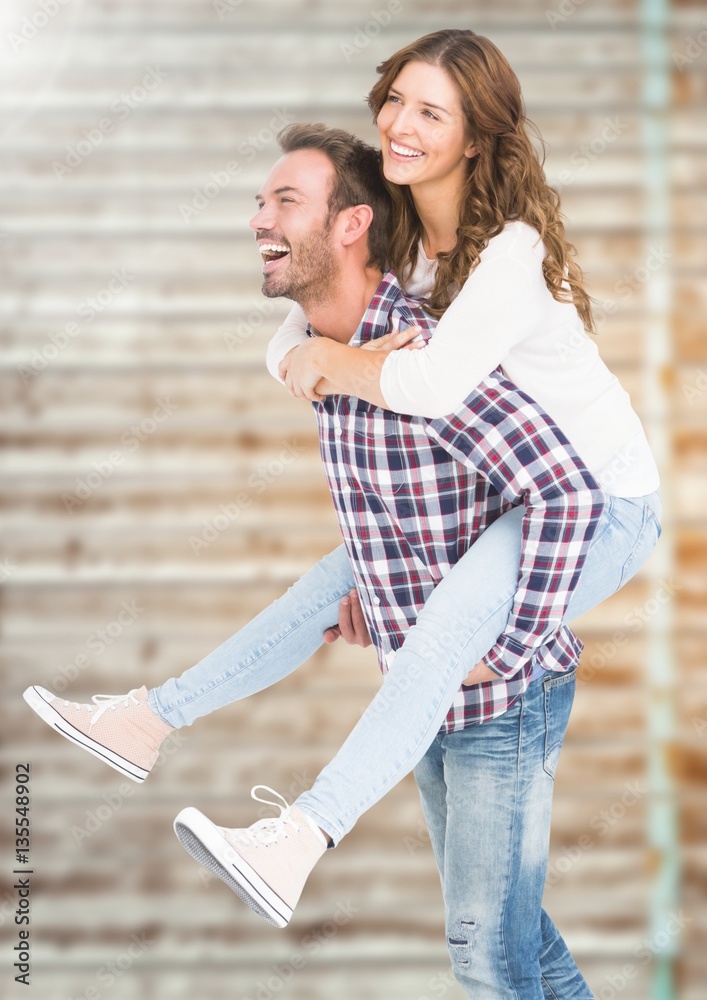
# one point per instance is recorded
(291, 338)
(352, 371)
(497, 307)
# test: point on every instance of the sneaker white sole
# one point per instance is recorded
(38, 700)
(201, 838)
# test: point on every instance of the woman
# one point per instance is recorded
(471, 197)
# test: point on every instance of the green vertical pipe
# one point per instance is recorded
(663, 837)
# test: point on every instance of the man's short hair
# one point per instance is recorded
(358, 178)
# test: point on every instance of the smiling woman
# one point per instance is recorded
(425, 143)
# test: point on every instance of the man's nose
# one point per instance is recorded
(263, 219)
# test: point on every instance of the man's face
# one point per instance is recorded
(292, 228)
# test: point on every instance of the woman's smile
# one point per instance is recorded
(404, 152)
(422, 129)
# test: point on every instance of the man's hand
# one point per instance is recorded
(479, 674)
(352, 625)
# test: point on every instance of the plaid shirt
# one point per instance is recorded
(412, 495)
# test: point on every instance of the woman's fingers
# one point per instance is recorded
(379, 344)
(394, 341)
(405, 336)
(285, 363)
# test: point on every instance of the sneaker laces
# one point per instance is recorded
(102, 702)
(268, 831)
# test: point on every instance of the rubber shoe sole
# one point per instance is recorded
(201, 838)
(44, 710)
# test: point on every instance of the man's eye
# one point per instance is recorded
(286, 199)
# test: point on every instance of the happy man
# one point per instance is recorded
(412, 495)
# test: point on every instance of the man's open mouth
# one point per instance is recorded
(272, 252)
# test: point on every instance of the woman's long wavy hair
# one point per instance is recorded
(505, 181)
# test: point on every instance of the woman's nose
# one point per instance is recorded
(402, 125)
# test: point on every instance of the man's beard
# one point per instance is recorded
(312, 279)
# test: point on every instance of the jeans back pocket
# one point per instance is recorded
(558, 694)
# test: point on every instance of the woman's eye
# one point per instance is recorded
(433, 117)
(392, 97)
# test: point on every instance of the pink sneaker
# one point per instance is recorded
(266, 864)
(119, 729)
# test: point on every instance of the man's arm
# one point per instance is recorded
(510, 440)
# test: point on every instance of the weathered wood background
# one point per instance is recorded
(173, 348)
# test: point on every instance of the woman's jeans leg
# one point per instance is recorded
(486, 793)
(268, 648)
(462, 619)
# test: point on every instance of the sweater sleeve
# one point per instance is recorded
(292, 332)
(498, 306)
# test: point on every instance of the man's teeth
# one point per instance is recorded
(270, 250)
(404, 150)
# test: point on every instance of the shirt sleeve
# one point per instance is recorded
(292, 332)
(507, 438)
(497, 307)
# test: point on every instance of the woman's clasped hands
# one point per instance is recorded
(308, 370)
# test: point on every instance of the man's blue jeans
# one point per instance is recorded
(486, 794)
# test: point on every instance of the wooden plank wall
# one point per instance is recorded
(158, 394)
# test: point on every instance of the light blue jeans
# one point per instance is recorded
(486, 794)
(460, 622)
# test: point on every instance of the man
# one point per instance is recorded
(486, 789)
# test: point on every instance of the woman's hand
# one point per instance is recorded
(302, 367)
(395, 341)
(301, 371)
(285, 363)
(324, 387)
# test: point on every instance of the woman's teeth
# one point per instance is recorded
(405, 150)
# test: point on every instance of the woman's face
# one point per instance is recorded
(422, 129)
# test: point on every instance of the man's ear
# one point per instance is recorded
(358, 222)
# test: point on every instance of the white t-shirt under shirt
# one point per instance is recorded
(505, 315)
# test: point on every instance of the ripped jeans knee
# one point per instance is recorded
(460, 943)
